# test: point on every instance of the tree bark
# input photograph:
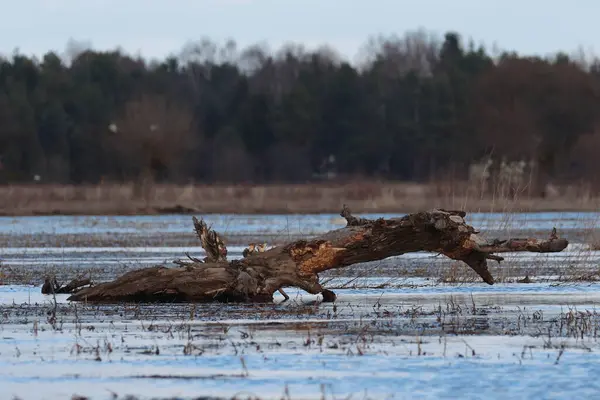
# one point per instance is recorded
(51, 286)
(260, 274)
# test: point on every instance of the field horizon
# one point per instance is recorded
(307, 198)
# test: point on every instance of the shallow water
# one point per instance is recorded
(31, 264)
(276, 224)
(396, 332)
(386, 344)
(88, 231)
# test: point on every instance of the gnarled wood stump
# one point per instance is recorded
(257, 276)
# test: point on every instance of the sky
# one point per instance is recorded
(158, 28)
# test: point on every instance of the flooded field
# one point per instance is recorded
(417, 326)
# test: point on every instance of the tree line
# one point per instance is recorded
(415, 108)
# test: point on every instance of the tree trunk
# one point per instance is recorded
(260, 274)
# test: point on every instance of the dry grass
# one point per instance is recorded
(121, 199)
(594, 243)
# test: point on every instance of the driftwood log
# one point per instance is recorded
(257, 276)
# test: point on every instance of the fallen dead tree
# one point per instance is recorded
(259, 274)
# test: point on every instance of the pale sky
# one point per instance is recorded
(156, 28)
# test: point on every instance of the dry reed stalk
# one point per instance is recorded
(364, 197)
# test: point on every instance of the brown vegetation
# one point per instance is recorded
(149, 139)
(115, 199)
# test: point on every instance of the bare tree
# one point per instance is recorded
(416, 51)
(230, 161)
(585, 161)
(253, 58)
(152, 134)
(529, 108)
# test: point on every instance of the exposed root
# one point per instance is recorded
(51, 286)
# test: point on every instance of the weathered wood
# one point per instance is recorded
(51, 286)
(261, 273)
(211, 242)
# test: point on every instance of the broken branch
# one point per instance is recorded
(51, 286)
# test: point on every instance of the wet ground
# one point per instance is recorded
(174, 230)
(415, 326)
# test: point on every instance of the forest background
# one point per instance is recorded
(443, 115)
